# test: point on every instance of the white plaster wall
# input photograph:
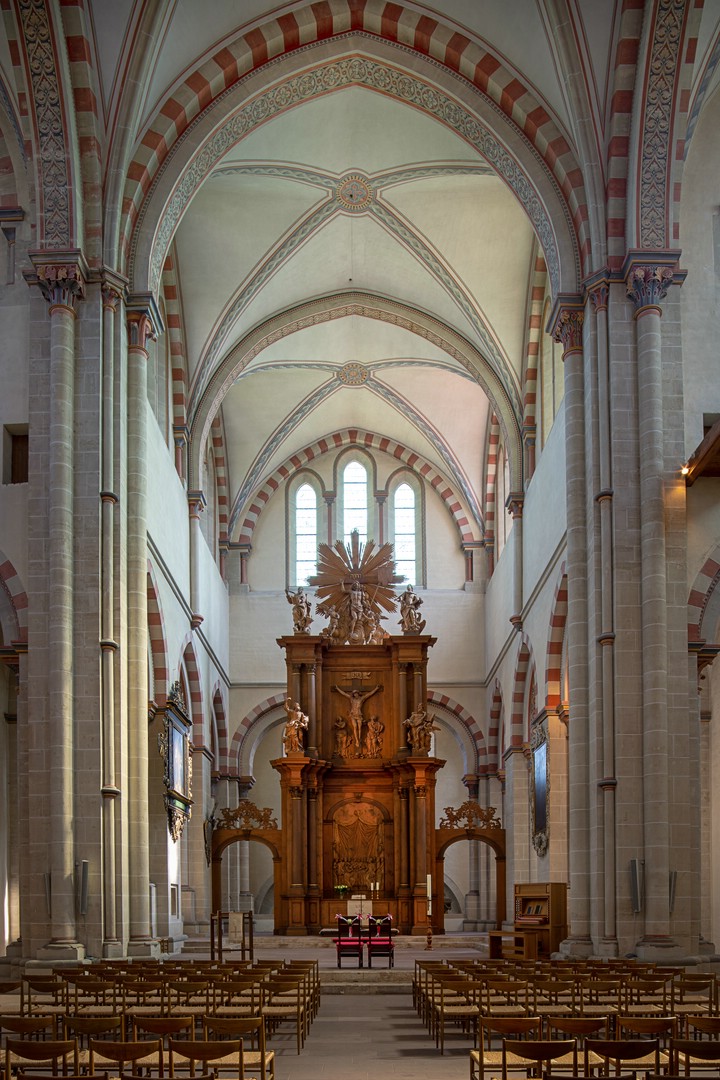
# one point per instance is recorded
(167, 508)
(498, 631)
(544, 512)
(700, 295)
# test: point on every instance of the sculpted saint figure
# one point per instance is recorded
(410, 604)
(301, 610)
(297, 722)
(375, 728)
(342, 737)
(420, 727)
(356, 699)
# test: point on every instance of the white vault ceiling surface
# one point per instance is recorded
(441, 233)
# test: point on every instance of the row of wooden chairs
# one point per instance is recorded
(150, 1048)
(595, 1057)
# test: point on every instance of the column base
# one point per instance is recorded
(68, 950)
(579, 946)
(113, 950)
(659, 948)
(147, 948)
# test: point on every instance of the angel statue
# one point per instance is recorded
(301, 610)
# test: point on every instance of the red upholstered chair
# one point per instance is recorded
(379, 941)
(349, 941)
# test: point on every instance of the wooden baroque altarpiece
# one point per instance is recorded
(358, 789)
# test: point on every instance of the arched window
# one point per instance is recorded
(355, 501)
(306, 537)
(405, 532)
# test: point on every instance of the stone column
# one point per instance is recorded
(472, 898)
(112, 294)
(62, 283)
(567, 327)
(647, 287)
(196, 504)
(514, 505)
(144, 322)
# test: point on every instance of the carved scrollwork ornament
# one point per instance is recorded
(470, 816)
(247, 815)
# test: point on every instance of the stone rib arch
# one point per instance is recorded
(556, 640)
(521, 682)
(494, 756)
(338, 441)
(342, 305)
(222, 764)
(195, 704)
(477, 761)
(704, 600)
(453, 64)
(13, 604)
(242, 746)
(156, 635)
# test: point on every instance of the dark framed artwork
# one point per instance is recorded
(174, 746)
(540, 789)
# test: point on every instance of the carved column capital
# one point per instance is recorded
(598, 294)
(196, 503)
(60, 275)
(568, 329)
(648, 276)
(514, 504)
(144, 320)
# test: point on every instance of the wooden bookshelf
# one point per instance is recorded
(542, 906)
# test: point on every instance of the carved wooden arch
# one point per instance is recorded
(223, 838)
(495, 838)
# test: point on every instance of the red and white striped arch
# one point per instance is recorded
(239, 757)
(704, 601)
(13, 603)
(528, 121)
(555, 643)
(494, 755)
(466, 720)
(533, 337)
(491, 459)
(174, 324)
(369, 441)
(195, 704)
(222, 762)
(521, 684)
(217, 436)
(158, 648)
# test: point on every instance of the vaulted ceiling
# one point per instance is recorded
(355, 227)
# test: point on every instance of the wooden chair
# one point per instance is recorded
(44, 994)
(281, 1007)
(485, 1058)
(29, 1027)
(239, 997)
(57, 1055)
(224, 1055)
(379, 939)
(10, 988)
(702, 1027)
(502, 996)
(349, 942)
(579, 1028)
(619, 1055)
(663, 1028)
(163, 1028)
(693, 994)
(84, 1028)
(117, 1056)
(458, 1002)
(691, 1056)
(523, 1055)
(251, 1029)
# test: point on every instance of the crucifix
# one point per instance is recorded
(356, 696)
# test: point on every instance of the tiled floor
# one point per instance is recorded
(370, 1037)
